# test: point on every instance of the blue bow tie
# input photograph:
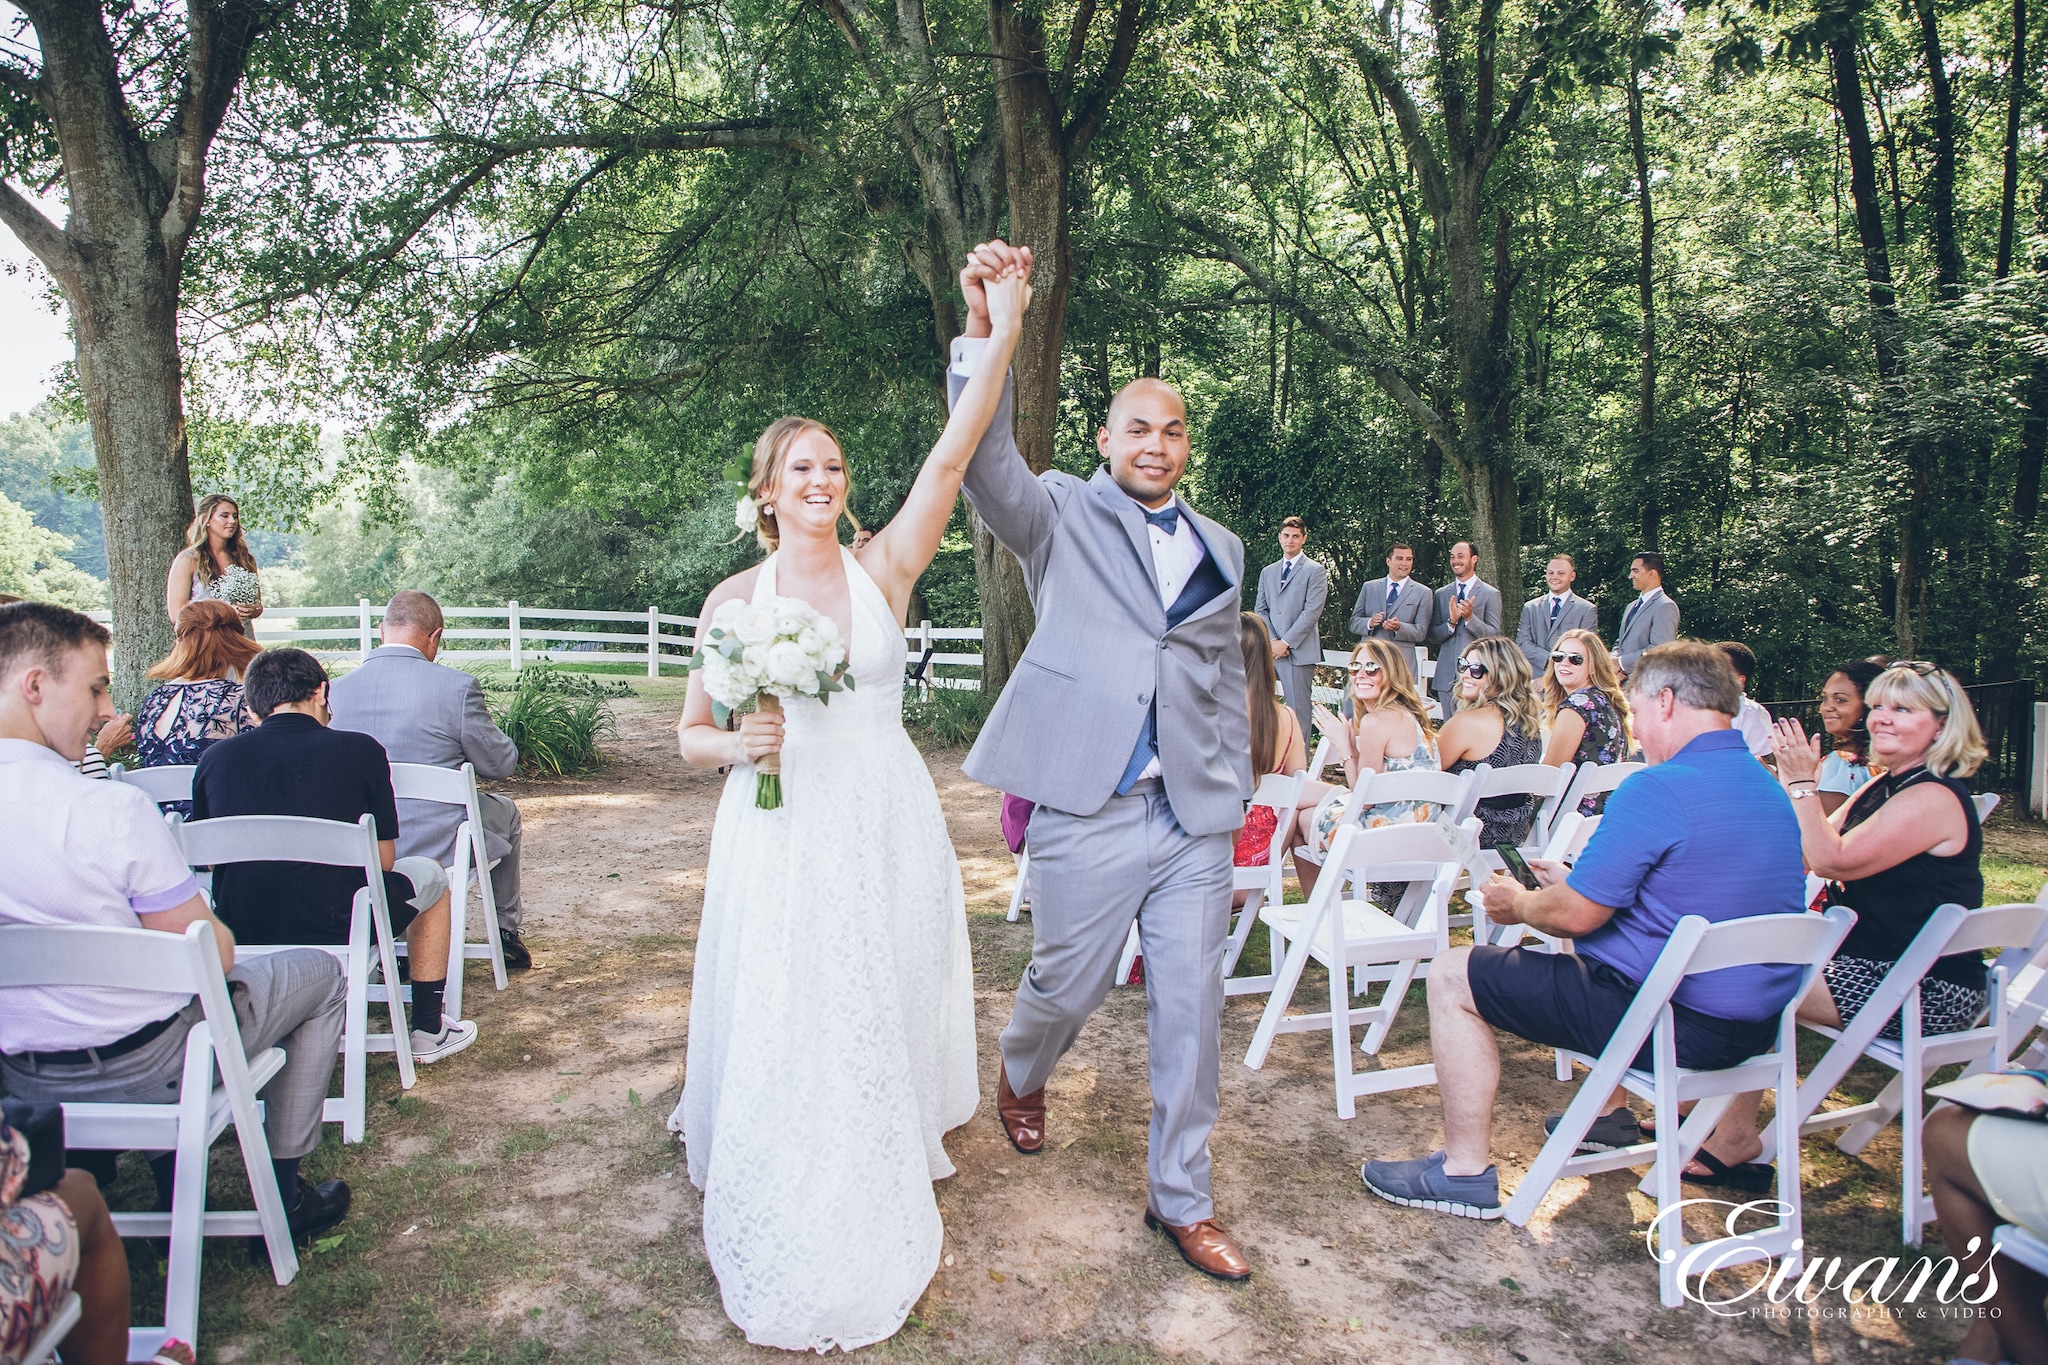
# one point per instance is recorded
(1166, 519)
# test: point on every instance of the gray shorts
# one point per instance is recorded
(411, 886)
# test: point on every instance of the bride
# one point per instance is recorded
(832, 1014)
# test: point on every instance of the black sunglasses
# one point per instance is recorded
(1472, 668)
(1573, 659)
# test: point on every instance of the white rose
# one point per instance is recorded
(827, 628)
(746, 515)
(811, 642)
(788, 665)
(753, 625)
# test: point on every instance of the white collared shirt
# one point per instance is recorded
(80, 852)
(1468, 586)
(1650, 594)
(1176, 557)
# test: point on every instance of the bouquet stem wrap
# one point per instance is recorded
(768, 772)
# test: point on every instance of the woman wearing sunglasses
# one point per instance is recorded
(1389, 732)
(1582, 691)
(1904, 846)
(1499, 721)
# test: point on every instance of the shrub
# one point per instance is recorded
(950, 717)
(557, 718)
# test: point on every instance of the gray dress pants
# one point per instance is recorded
(292, 998)
(1297, 684)
(501, 841)
(1091, 876)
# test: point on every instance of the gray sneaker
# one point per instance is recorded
(1422, 1184)
(453, 1037)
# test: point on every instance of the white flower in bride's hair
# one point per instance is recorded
(788, 664)
(754, 625)
(746, 515)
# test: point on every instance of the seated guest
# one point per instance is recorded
(423, 712)
(1388, 732)
(1589, 713)
(111, 736)
(1277, 743)
(55, 1239)
(199, 700)
(1904, 846)
(1499, 721)
(1707, 832)
(83, 852)
(292, 764)
(1753, 723)
(1983, 1170)
(1842, 713)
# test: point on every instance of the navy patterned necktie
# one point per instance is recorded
(1286, 571)
(1555, 604)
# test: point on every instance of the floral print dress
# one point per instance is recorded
(182, 720)
(38, 1253)
(1605, 740)
(1331, 808)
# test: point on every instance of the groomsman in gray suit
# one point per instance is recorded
(1467, 609)
(1291, 596)
(1125, 723)
(1396, 607)
(1652, 619)
(1549, 616)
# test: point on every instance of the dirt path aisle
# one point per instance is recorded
(524, 1203)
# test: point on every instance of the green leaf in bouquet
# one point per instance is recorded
(720, 712)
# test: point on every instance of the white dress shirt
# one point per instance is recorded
(80, 852)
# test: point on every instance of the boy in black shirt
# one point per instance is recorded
(293, 764)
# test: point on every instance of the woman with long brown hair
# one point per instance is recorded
(1499, 723)
(1277, 743)
(199, 701)
(213, 544)
(1582, 693)
(1389, 732)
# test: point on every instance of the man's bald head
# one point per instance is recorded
(413, 618)
(1145, 440)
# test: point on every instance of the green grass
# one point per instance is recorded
(2010, 879)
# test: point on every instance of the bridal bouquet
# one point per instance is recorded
(769, 652)
(239, 587)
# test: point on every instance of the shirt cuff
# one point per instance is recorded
(158, 901)
(966, 355)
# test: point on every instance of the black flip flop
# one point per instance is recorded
(1751, 1177)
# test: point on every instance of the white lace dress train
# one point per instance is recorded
(831, 1018)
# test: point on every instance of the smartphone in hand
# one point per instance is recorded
(1518, 866)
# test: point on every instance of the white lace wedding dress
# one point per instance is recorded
(832, 1017)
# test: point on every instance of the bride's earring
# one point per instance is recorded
(767, 509)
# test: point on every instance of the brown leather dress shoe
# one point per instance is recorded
(1023, 1116)
(1206, 1247)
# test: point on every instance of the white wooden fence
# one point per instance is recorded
(515, 634)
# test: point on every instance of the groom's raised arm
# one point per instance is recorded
(1006, 495)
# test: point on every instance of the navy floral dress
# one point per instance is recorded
(182, 720)
(1605, 740)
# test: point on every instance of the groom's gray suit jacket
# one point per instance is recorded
(1064, 728)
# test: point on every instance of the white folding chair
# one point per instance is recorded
(1985, 802)
(1017, 896)
(1358, 944)
(1591, 779)
(143, 959)
(1539, 781)
(2021, 933)
(1279, 792)
(1448, 792)
(43, 1349)
(1695, 946)
(457, 787)
(2020, 1245)
(330, 843)
(172, 782)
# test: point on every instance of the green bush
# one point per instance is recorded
(557, 718)
(950, 717)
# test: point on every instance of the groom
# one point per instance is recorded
(1126, 723)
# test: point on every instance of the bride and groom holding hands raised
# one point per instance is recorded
(831, 1040)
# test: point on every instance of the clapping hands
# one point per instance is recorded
(1798, 756)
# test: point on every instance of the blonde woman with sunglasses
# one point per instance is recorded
(1499, 722)
(1582, 692)
(1389, 732)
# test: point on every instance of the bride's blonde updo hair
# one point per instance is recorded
(770, 453)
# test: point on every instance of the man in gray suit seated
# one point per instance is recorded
(1396, 607)
(1291, 596)
(1467, 608)
(1125, 724)
(1547, 617)
(423, 712)
(1652, 619)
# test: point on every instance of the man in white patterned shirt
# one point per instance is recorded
(85, 852)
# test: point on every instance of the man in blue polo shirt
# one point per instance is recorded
(1706, 832)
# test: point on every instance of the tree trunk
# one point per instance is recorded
(1941, 189)
(2015, 101)
(1647, 480)
(125, 318)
